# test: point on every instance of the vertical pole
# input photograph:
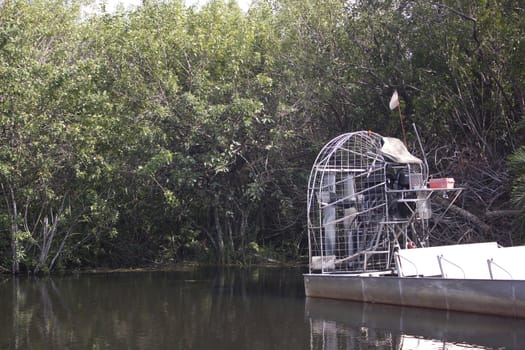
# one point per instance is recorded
(402, 125)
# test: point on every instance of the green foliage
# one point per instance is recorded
(173, 132)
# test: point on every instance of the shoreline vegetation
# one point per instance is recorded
(184, 267)
(190, 265)
(173, 133)
(180, 267)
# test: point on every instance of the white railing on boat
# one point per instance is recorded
(506, 262)
(464, 261)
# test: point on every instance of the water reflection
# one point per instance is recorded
(349, 325)
(197, 309)
(224, 309)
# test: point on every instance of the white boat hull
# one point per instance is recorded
(493, 297)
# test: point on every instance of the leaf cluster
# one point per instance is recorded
(171, 132)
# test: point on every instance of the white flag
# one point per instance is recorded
(394, 101)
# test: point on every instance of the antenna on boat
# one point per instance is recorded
(425, 176)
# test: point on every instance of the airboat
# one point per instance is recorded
(370, 219)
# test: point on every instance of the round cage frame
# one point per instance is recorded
(367, 197)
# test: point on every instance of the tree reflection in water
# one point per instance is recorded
(194, 309)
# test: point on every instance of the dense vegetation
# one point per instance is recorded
(171, 132)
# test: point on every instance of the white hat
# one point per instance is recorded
(395, 150)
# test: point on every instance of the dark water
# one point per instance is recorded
(210, 308)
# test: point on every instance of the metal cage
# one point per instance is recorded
(367, 197)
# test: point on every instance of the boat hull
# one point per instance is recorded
(493, 297)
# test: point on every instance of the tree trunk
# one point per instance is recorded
(13, 217)
(14, 246)
(220, 234)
